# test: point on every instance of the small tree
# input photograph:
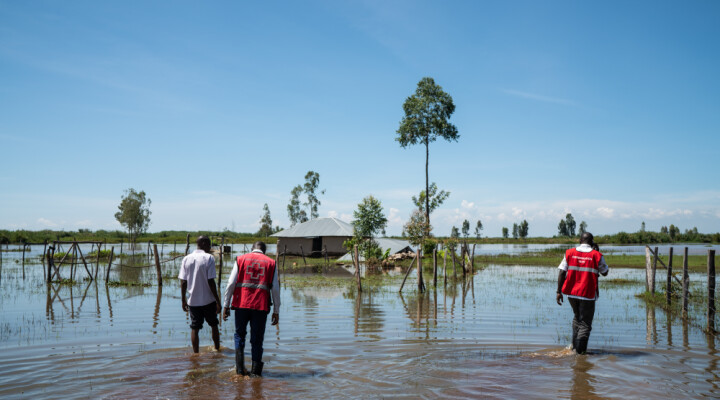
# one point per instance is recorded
(642, 227)
(295, 213)
(266, 228)
(570, 224)
(426, 118)
(516, 231)
(466, 229)
(312, 182)
(673, 231)
(664, 229)
(436, 198)
(134, 213)
(451, 243)
(562, 228)
(416, 228)
(478, 229)
(505, 232)
(369, 221)
(523, 229)
(583, 227)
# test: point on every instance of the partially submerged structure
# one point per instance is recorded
(396, 247)
(314, 237)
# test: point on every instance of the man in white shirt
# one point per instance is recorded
(197, 277)
(578, 280)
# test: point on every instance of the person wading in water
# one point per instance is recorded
(578, 280)
(197, 277)
(252, 283)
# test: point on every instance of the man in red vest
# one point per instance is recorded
(578, 280)
(252, 287)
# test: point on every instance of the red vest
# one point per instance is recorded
(582, 274)
(254, 281)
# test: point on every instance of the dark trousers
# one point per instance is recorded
(584, 311)
(257, 320)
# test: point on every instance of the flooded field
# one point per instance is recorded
(497, 335)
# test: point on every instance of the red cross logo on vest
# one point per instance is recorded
(255, 271)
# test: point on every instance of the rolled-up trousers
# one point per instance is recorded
(257, 320)
(584, 311)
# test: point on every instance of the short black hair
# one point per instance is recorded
(203, 241)
(587, 238)
(259, 246)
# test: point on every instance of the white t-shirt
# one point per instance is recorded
(197, 267)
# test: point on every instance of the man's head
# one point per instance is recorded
(259, 246)
(203, 243)
(587, 238)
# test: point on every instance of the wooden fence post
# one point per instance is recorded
(283, 261)
(303, 255)
(685, 283)
(472, 260)
(445, 266)
(23, 261)
(421, 284)
(357, 268)
(668, 288)
(435, 268)
(110, 260)
(187, 244)
(157, 265)
(222, 250)
(711, 291)
(452, 251)
(410, 267)
(648, 267)
(44, 250)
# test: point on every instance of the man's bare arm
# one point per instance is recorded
(213, 289)
(183, 289)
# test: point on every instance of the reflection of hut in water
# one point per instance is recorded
(312, 237)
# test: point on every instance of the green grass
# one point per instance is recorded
(127, 284)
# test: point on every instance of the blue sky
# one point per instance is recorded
(607, 110)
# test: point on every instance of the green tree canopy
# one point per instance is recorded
(570, 224)
(583, 227)
(427, 114)
(134, 212)
(478, 229)
(562, 228)
(296, 214)
(416, 228)
(312, 182)
(266, 222)
(466, 228)
(505, 232)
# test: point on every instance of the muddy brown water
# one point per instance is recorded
(498, 335)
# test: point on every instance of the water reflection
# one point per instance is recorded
(583, 381)
(369, 316)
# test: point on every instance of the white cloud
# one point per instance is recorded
(332, 214)
(346, 217)
(46, 223)
(467, 204)
(605, 212)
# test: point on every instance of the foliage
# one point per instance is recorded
(583, 228)
(417, 227)
(523, 229)
(312, 182)
(466, 228)
(454, 232)
(429, 245)
(570, 224)
(295, 213)
(436, 198)
(426, 118)
(505, 232)
(134, 212)
(369, 218)
(478, 229)
(516, 231)
(266, 228)
(562, 228)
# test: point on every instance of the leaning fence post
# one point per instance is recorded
(668, 288)
(410, 267)
(303, 255)
(654, 269)
(711, 291)
(157, 265)
(685, 283)
(648, 267)
(187, 244)
(110, 260)
(357, 267)
(421, 284)
(435, 267)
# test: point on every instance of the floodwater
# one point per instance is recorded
(497, 335)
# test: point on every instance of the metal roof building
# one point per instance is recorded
(395, 246)
(311, 237)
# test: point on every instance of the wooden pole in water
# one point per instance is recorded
(410, 267)
(472, 261)
(435, 268)
(654, 269)
(121, 246)
(23, 261)
(445, 266)
(357, 268)
(283, 261)
(453, 260)
(187, 244)
(685, 283)
(107, 273)
(668, 288)
(44, 250)
(421, 284)
(157, 265)
(711, 291)
(303, 255)
(175, 246)
(222, 248)
(648, 267)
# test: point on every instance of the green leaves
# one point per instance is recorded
(426, 115)
(134, 212)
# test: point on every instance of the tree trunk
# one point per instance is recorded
(427, 187)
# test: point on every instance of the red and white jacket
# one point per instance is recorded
(583, 264)
(252, 283)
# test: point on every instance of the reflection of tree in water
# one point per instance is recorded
(369, 317)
